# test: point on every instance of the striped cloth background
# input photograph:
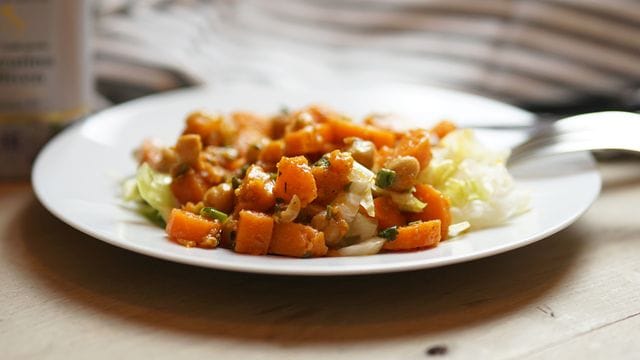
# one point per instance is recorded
(540, 54)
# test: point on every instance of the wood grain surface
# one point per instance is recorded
(576, 294)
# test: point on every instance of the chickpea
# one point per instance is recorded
(193, 208)
(363, 151)
(254, 150)
(220, 197)
(169, 159)
(299, 121)
(407, 169)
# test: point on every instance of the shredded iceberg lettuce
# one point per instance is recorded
(369, 247)
(475, 180)
(362, 227)
(362, 180)
(130, 190)
(154, 188)
(406, 201)
(458, 228)
(358, 194)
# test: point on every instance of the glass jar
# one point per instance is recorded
(45, 76)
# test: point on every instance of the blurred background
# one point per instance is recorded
(549, 56)
(544, 55)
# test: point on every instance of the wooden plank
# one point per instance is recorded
(65, 293)
(618, 340)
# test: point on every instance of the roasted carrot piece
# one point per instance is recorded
(437, 207)
(254, 233)
(415, 236)
(295, 178)
(308, 140)
(387, 213)
(415, 143)
(191, 230)
(189, 186)
(331, 173)
(256, 190)
(343, 129)
(297, 240)
(442, 128)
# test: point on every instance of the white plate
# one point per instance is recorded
(77, 175)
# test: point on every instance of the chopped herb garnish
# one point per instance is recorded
(235, 182)
(213, 213)
(273, 176)
(389, 233)
(284, 110)
(323, 162)
(279, 207)
(385, 178)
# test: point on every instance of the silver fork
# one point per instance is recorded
(608, 130)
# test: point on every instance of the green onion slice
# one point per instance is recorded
(213, 213)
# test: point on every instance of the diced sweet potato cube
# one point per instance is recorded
(415, 236)
(331, 174)
(308, 140)
(295, 178)
(189, 187)
(415, 143)
(256, 190)
(442, 128)
(192, 230)
(272, 152)
(387, 213)
(343, 129)
(297, 240)
(254, 233)
(437, 207)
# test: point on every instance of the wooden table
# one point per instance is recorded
(574, 295)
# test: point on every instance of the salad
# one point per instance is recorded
(312, 182)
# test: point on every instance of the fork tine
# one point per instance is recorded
(566, 142)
